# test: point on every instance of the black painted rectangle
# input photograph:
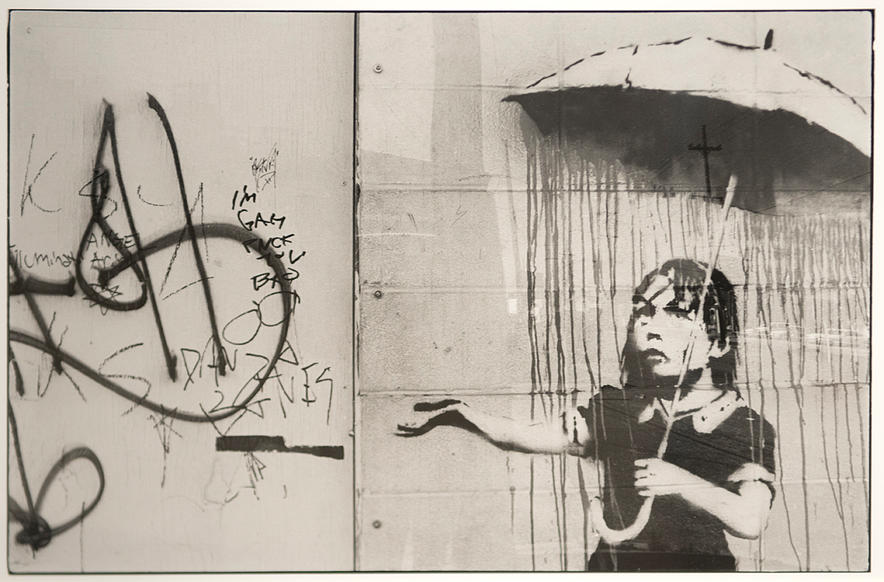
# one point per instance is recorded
(274, 444)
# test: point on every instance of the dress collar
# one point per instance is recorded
(706, 418)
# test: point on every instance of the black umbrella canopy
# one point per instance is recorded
(784, 141)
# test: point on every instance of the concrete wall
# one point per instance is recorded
(446, 172)
(240, 91)
(459, 196)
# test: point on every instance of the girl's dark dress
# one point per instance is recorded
(734, 445)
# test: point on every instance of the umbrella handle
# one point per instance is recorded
(617, 536)
(614, 536)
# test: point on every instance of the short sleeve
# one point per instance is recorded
(607, 415)
(759, 461)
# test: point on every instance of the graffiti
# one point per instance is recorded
(278, 245)
(27, 194)
(36, 531)
(256, 443)
(22, 259)
(264, 169)
(104, 259)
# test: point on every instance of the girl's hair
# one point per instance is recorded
(719, 315)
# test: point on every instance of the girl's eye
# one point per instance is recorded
(643, 309)
(677, 310)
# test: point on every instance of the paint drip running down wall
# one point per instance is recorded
(595, 228)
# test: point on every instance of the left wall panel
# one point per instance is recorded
(193, 411)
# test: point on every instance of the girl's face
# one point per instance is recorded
(662, 327)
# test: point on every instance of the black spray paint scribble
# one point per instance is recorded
(36, 532)
(278, 245)
(273, 444)
(27, 191)
(131, 255)
(264, 169)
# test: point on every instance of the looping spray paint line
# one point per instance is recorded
(213, 230)
(36, 531)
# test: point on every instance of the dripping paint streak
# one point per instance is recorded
(850, 277)
(818, 329)
(859, 414)
(745, 263)
(554, 195)
(611, 185)
(531, 251)
(764, 311)
(838, 243)
(583, 194)
(597, 267)
(786, 276)
(758, 319)
(570, 270)
(668, 196)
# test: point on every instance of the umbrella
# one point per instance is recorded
(779, 128)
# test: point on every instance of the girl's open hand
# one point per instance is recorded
(657, 477)
(428, 415)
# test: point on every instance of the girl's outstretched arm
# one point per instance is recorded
(565, 433)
